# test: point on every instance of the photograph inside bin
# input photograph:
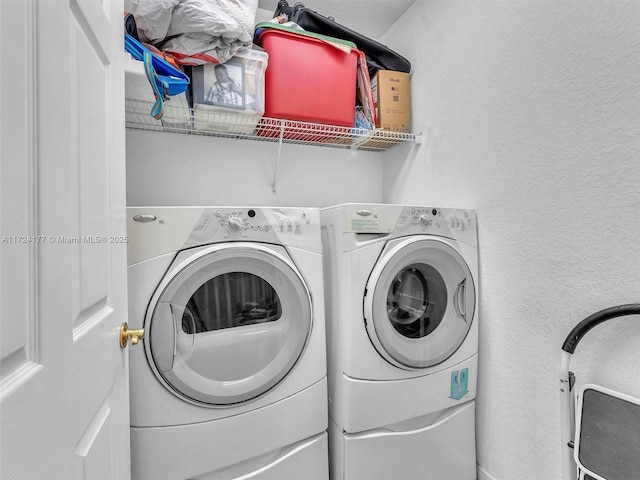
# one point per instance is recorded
(223, 84)
(234, 84)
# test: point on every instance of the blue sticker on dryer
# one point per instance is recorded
(459, 383)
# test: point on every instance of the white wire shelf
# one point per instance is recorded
(233, 124)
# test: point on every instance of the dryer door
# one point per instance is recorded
(419, 302)
(229, 324)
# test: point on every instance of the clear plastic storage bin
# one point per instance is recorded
(229, 97)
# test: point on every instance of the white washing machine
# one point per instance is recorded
(230, 382)
(401, 291)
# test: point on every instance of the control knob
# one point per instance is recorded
(423, 221)
(234, 224)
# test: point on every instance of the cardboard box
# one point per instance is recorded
(392, 99)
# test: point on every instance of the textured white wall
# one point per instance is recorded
(531, 115)
(170, 169)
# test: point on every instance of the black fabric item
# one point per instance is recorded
(283, 7)
(130, 26)
(379, 56)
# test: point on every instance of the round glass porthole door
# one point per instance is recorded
(229, 325)
(420, 302)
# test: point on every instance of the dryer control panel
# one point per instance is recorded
(242, 222)
(156, 230)
(237, 222)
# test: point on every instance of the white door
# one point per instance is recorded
(63, 384)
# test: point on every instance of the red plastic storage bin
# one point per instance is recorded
(310, 77)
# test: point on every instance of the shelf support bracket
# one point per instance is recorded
(275, 168)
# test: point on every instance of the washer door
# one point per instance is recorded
(229, 325)
(419, 302)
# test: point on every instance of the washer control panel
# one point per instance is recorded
(437, 218)
(453, 223)
(399, 220)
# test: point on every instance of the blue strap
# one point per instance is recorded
(157, 111)
(165, 79)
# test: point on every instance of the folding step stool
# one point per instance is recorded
(601, 435)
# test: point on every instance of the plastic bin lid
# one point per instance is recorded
(263, 26)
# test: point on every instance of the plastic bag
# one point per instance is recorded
(153, 17)
(196, 31)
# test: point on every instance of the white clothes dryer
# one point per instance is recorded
(231, 380)
(401, 292)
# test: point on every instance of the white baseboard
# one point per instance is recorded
(483, 475)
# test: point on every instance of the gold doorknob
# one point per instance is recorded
(127, 335)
